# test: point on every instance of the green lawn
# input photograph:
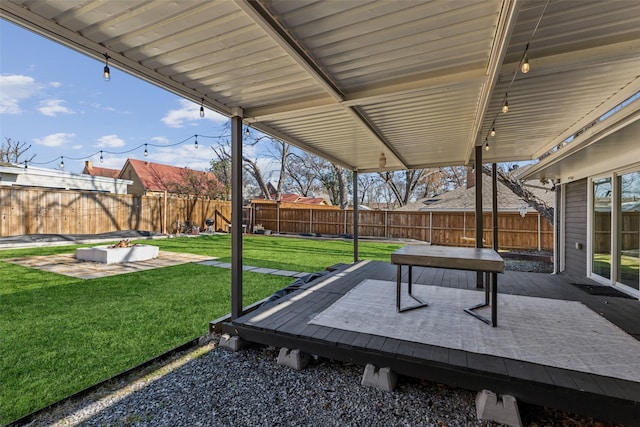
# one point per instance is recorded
(60, 334)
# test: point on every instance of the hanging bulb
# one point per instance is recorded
(101, 158)
(146, 153)
(196, 143)
(25, 164)
(246, 131)
(382, 161)
(493, 131)
(61, 162)
(525, 67)
(106, 73)
(505, 106)
(202, 108)
(486, 146)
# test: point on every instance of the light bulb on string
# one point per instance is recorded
(505, 105)
(146, 153)
(202, 107)
(61, 162)
(101, 158)
(493, 131)
(246, 131)
(486, 145)
(25, 164)
(106, 72)
(196, 143)
(524, 64)
(525, 67)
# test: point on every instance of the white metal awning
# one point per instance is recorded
(421, 81)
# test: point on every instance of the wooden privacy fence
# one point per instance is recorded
(39, 211)
(440, 228)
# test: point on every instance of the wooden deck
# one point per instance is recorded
(284, 323)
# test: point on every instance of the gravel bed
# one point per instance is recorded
(212, 386)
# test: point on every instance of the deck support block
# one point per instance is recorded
(503, 412)
(293, 358)
(233, 343)
(385, 379)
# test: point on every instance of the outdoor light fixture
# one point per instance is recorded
(493, 131)
(382, 161)
(246, 131)
(525, 67)
(25, 164)
(486, 146)
(107, 73)
(505, 105)
(101, 158)
(61, 162)
(146, 153)
(196, 143)
(201, 109)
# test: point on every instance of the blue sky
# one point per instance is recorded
(56, 99)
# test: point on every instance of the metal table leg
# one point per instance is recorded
(494, 302)
(398, 292)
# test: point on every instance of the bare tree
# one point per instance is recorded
(403, 189)
(12, 151)
(508, 180)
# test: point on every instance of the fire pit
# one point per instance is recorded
(123, 251)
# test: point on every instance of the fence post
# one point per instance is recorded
(345, 221)
(430, 227)
(310, 220)
(386, 224)
(539, 234)
(278, 216)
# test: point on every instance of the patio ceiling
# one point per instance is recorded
(422, 82)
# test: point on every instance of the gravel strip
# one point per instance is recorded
(212, 386)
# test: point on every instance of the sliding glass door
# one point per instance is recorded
(628, 238)
(601, 237)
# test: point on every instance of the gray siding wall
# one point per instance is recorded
(576, 227)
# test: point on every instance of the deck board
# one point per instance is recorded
(544, 385)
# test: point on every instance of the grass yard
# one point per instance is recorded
(60, 334)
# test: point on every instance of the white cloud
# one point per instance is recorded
(110, 141)
(189, 112)
(53, 107)
(77, 147)
(13, 89)
(55, 139)
(160, 139)
(55, 84)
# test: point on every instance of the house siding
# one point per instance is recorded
(576, 227)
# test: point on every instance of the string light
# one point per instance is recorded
(486, 145)
(146, 153)
(61, 162)
(25, 164)
(101, 158)
(246, 131)
(505, 105)
(525, 67)
(106, 73)
(202, 108)
(382, 161)
(196, 143)
(493, 131)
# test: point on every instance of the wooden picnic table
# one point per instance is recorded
(476, 259)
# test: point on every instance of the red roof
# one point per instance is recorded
(159, 177)
(89, 169)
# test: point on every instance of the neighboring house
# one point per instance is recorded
(19, 176)
(598, 217)
(155, 178)
(89, 169)
(464, 198)
(295, 198)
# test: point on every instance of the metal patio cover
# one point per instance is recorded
(421, 81)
